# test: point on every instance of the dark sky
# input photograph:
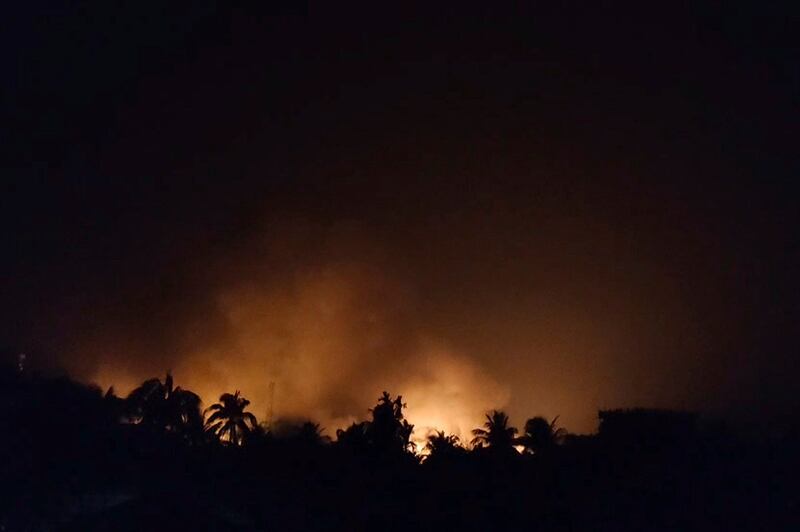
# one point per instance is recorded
(549, 211)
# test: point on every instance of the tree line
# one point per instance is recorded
(162, 406)
(76, 458)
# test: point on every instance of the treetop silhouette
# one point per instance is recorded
(228, 420)
(496, 433)
(163, 406)
(541, 435)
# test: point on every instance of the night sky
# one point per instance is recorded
(544, 211)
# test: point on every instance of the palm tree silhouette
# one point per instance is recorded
(310, 433)
(228, 420)
(541, 435)
(163, 406)
(354, 437)
(497, 434)
(439, 441)
(441, 446)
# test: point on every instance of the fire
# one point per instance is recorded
(447, 393)
(331, 339)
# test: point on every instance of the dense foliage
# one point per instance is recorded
(75, 458)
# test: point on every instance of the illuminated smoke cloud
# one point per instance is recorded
(329, 324)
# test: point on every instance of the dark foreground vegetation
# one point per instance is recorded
(74, 458)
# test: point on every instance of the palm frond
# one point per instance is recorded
(214, 428)
(218, 415)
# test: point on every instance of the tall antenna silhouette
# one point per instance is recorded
(270, 401)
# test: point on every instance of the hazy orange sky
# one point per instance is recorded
(479, 213)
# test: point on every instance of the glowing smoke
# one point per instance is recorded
(332, 327)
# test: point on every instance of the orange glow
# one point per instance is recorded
(332, 340)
